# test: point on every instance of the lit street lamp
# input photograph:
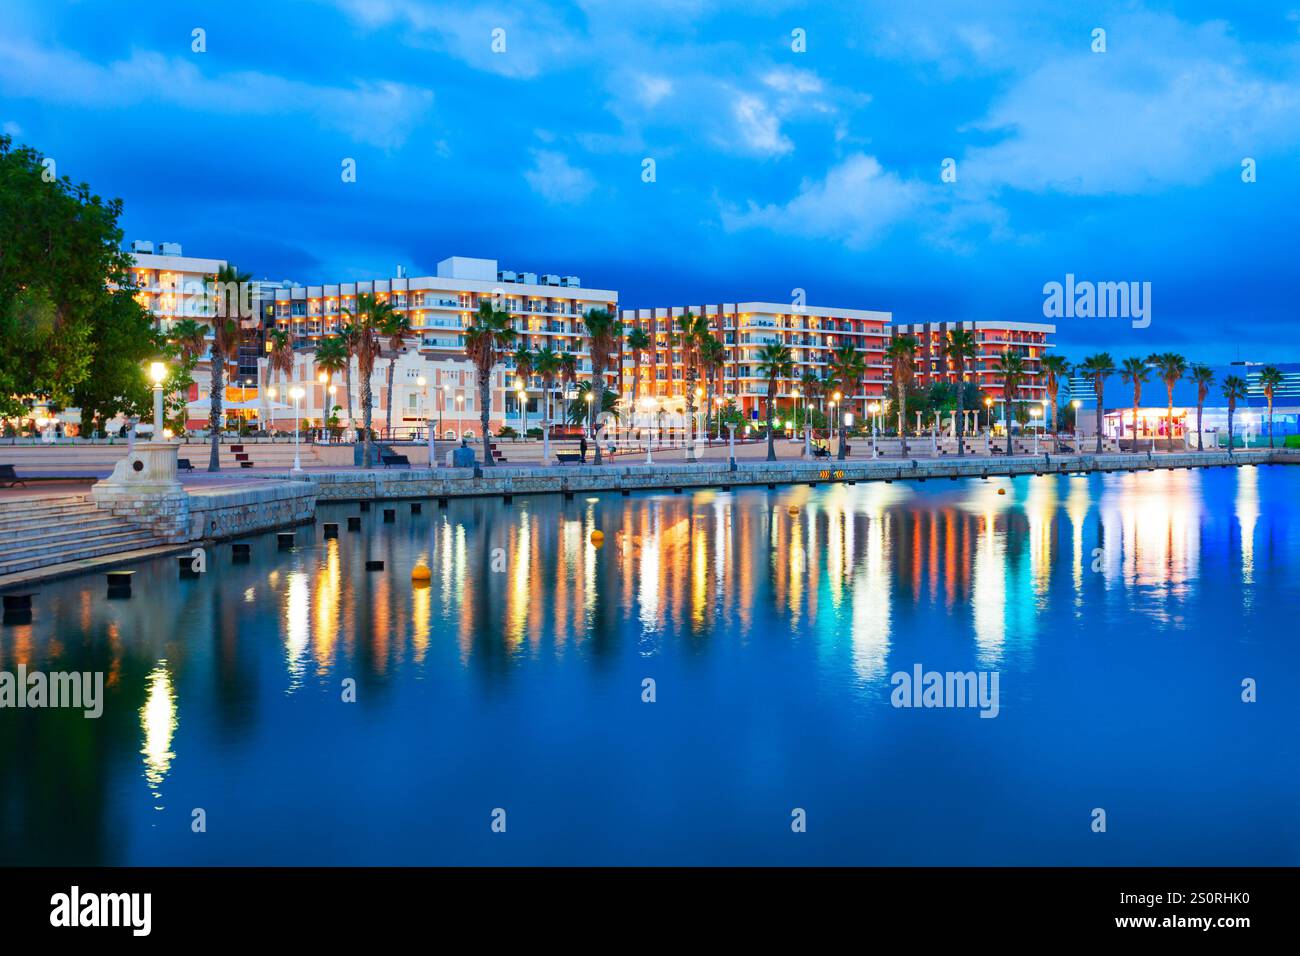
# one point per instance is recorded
(157, 372)
(296, 394)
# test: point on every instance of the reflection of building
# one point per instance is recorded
(813, 334)
(1029, 340)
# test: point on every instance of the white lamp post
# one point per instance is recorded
(296, 394)
(157, 372)
(1035, 413)
(731, 445)
(649, 405)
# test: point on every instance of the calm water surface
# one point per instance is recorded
(1121, 613)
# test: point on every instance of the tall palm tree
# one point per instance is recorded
(1134, 372)
(1269, 379)
(488, 335)
(848, 366)
(546, 363)
(775, 361)
(227, 333)
(524, 371)
(1171, 367)
(712, 358)
(1099, 367)
(396, 329)
(190, 337)
(1055, 369)
(1011, 366)
(811, 386)
(691, 328)
(1234, 390)
(279, 353)
(604, 331)
(638, 340)
(901, 355)
(962, 346)
(1203, 377)
(367, 332)
(331, 358)
(568, 371)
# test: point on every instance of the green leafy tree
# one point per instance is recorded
(124, 340)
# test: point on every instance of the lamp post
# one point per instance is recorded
(157, 372)
(588, 398)
(874, 409)
(296, 394)
(731, 446)
(648, 404)
(1035, 413)
(442, 404)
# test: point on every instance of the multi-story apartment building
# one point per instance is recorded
(547, 310)
(1028, 339)
(173, 286)
(812, 334)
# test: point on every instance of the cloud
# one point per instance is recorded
(758, 127)
(857, 202)
(556, 180)
(378, 112)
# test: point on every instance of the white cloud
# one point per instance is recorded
(857, 202)
(651, 90)
(758, 127)
(377, 112)
(555, 179)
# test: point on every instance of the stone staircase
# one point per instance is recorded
(40, 531)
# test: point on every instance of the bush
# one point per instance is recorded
(505, 431)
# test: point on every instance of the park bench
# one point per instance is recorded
(8, 474)
(390, 460)
(183, 464)
(568, 457)
(821, 451)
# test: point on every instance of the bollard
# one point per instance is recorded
(365, 506)
(568, 496)
(354, 522)
(186, 564)
(18, 602)
(416, 507)
(390, 515)
(625, 492)
(507, 499)
(677, 491)
(285, 540)
(331, 529)
(241, 553)
(771, 486)
(442, 502)
(374, 565)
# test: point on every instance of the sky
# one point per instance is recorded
(691, 151)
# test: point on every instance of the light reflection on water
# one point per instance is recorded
(771, 621)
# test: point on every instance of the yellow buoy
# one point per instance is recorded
(421, 573)
(793, 510)
(1002, 491)
(598, 538)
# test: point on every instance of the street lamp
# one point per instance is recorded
(988, 403)
(648, 404)
(296, 394)
(157, 372)
(874, 409)
(1035, 413)
(588, 398)
(460, 408)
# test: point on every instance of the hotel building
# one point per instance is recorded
(547, 310)
(743, 328)
(173, 286)
(1028, 339)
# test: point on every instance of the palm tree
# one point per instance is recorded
(1234, 390)
(692, 329)
(1099, 367)
(279, 352)
(1055, 369)
(546, 363)
(331, 358)
(1269, 379)
(396, 329)
(603, 332)
(524, 371)
(961, 347)
(373, 318)
(489, 333)
(1134, 372)
(713, 357)
(226, 336)
(1172, 367)
(638, 340)
(1011, 366)
(190, 337)
(811, 386)
(774, 361)
(568, 371)
(1203, 377)
(349, 335)
(901, 355)
(848, 366)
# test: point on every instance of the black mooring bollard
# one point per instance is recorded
(331, 529)
(186, 564)
(374, 565)
(285, 540)
(390, 515)
(416, 507)
(241, 553)
(365, 506)
(354, 522)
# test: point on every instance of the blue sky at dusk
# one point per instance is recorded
(775, 169)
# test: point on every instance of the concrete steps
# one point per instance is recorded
(38, 532)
